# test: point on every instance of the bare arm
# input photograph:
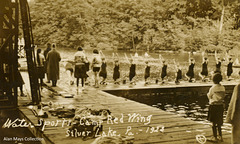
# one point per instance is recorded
(210, 93)
(133, 58)
(101, 54)
(161, 59)
(59, 57)
(216, 57)
(203, 53)
(126, 58)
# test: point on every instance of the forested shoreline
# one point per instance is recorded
(189, 25)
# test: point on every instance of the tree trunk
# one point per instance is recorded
(221, 21)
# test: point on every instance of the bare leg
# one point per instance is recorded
(21, 90)
(69, 73)
(220, 132)
(83, 80)
(77, 82)
(96, 79)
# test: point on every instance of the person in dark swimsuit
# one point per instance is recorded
(218, 66)
(164, 70)
(229, 68)
(218, 63)
(147, 72)
(96, 65)
(103, 71)
(116, 71)
(204, 73)
(132, 69)
(190, 72)
(132, 72)
(178, 73)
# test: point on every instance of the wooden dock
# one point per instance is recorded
(177, 129)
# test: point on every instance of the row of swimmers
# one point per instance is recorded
(204, 72)
(189, 75)
(99, 67)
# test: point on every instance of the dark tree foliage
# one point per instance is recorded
(137, 24)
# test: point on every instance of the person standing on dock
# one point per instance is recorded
(132, 69)
(229, 67)
(190, 72)
(164, 68)
(80, 68)
(116, 71)
(147, 72)
(218, 63)
(53, 59)
(204, 73)
(45, 52)
(96, 65)
(216, 97)
(147, 68)
(103, 71)
(178, 72)
(40, 66)
(233, 115)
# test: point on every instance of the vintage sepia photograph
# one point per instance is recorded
(119, 71)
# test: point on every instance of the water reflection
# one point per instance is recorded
(196, 111)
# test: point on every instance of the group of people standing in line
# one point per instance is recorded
(79, 65)
(48, 62)
(204, 73)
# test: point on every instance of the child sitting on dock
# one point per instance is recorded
(116, 72)
(216, 97)
(103, 71)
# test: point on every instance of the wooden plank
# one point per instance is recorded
(177, 129)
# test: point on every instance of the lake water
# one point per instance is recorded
(187, 104)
